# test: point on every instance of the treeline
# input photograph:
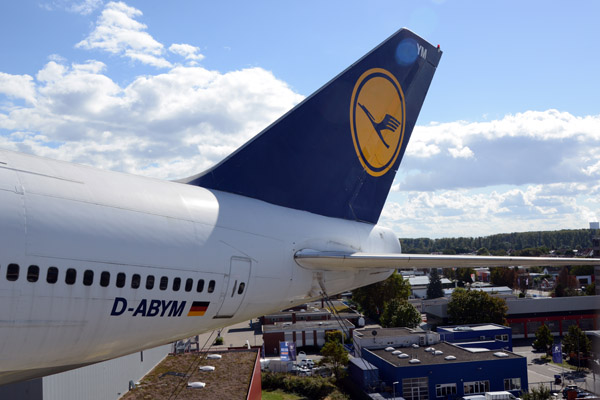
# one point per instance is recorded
(563, 241)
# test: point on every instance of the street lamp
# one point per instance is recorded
(394, 388)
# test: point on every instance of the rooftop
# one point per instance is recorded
(306, 325)
(478, 327)
(447, 349)
(387, 332)
(169, 379)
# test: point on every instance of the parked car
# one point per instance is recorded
(570, 388)
(307, 363)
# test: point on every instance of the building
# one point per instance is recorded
(379, 338)
(419, 284)
(526, 315)
(442, 371)
(303, 333)
(225, 374)
(503, 291)
(106, 380)
(487, 336)
(312, 312)
(482, 274)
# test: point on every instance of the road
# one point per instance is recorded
(541, 372)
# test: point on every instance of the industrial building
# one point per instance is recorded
(526, 315)
(106, 380)
(444, 371)
(416, 365)
(303, 333)
(488, 336)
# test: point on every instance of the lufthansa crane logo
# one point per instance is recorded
(377, 113)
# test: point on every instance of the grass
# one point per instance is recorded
(565, 364)
(279, 395)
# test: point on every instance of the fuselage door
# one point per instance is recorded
(235, 289)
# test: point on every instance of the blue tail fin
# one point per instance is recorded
(337, 152)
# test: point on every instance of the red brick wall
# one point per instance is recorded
(255, 390)
(271, 341)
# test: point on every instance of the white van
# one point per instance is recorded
(474, 397)
(503, 395)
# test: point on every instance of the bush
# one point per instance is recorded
(314, 387)
(219, 341)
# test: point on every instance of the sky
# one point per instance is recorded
(508, 139)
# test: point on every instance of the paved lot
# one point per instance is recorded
(539, 372)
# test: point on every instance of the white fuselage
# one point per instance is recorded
(74, 239)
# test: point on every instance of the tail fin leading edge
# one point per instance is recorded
(337, 152)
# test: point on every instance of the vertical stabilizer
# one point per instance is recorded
(337, 152)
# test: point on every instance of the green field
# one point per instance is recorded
(279, 395)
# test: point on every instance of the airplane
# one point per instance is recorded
(99, 264)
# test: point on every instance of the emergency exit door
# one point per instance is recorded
(236, 286)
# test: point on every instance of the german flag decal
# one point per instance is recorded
(198, 308)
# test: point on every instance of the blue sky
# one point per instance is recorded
(508, 138)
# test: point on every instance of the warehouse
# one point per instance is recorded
(488, 336)
(443, 371)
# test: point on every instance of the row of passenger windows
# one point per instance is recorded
(33, 274)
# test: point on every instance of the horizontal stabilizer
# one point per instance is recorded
(340, 261)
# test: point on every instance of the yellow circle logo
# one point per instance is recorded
(377, 113)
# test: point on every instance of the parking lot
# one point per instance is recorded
(539, 372)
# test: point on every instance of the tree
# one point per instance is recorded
(335, 355)
(476, 307)
(576, 342)
(399, 312)
(522, 282)
(543, 339)
(483, 252)
(372, 299)
(464, 275)
(590, 290)
(540, 393)
(502, 276)
(565, 283)
(434, 289)
(334, 336)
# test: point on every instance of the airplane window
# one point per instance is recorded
(120, 279)
(71, 276)
(135, 281)
(176, 284)
(88, 277)
(12, 272)
(149, 282)
(164, 282)
(241, 288)
(188, 284)
(200, 286)
(104, 278)
(211, 286)
(52, 275)
(33, 273)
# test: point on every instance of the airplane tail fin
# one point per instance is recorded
(337, 152)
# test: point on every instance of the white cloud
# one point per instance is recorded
(474, 213)
(84, 7)
(169, 125)
(462, 152)
(17, 86)
(117, 32)
(187, 51)
(527, 148)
